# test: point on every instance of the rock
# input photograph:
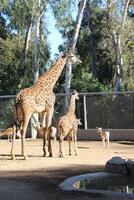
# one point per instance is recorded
(116, 165)
(130, 167)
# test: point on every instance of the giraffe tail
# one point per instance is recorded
(59, 128)
(18, 117)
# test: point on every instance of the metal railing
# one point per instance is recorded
(108, 110)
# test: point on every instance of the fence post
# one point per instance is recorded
(85, 111)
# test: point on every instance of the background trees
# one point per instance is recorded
(105, 43)
(18, 50)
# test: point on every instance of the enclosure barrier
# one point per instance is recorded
(111, 111)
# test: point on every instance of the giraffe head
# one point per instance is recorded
(78, 122)
(71, 57)
(75, 93)
(99, 129)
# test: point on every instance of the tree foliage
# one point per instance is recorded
(17, 65)
(95, 43)
(96, 49)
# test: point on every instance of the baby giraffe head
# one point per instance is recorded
(99, 129)
(78, 122)
(75, 94)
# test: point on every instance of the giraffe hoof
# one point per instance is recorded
(13, 158)
(44, 155)
(51, 155)
(25, 158)
(61, 156)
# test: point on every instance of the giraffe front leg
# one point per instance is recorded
(46, 136)
(103, 142)
(49, 143)
(43, 126)
(13, 141)
(75, 144)
(49, 115)
(23, 147)
(44, 142)
(108, 142)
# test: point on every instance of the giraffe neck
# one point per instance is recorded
(72, 104)
(49, 79)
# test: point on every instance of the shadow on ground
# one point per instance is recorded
(126, 142)
(43, 185)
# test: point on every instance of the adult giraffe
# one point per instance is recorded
(39, 98)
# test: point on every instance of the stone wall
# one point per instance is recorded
(115, 134)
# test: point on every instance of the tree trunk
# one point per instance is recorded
(36, 68)
(119, 61)
(93, 43)
(25, 51)
(36, 59)
(72, 47)
(37, 42)
(117, 45)
(124, 15)
(27, 42)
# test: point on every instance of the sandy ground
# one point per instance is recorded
(38, 177)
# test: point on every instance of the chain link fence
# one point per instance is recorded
(107, 110)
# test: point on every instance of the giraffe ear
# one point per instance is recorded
(73, 92)
(69, 53)
(69, 50)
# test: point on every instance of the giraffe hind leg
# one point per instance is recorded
(69, 143)
(23, 134)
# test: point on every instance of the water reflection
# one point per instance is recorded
(122, 184)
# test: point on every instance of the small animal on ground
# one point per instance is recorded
(9, 133)
(105, 135)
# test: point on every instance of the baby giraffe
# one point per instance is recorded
(105, 136)
(69, 131)
(68, 126)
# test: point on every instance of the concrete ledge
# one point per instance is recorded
(115, 134)
(91, 134)
(73, 183)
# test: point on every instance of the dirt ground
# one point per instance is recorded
(38, 177)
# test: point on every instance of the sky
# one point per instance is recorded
(54, 37)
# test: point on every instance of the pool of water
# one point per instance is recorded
(103, 183)
(118, 183)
